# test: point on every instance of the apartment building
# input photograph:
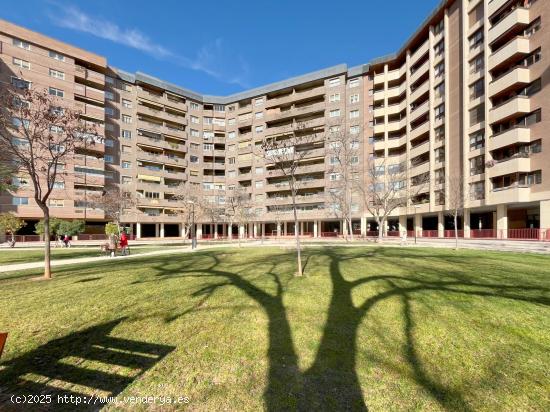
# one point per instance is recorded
(466, 98)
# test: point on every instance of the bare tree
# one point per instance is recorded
(287, 154)
(387, 189)
(115, 201)
(212, 207)
(40, 135)
(189, 206)
(455, 201)
(343, 151)
(239, 209)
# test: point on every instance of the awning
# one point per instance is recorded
(149, 178)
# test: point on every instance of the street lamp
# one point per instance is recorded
(193, 236)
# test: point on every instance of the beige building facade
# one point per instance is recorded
(466, 98)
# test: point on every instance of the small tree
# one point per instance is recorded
(10, 224)
(39, 135)
(343, 151)
(387, 189)
(239, 209)
(114, 201)
(455, 201)
(54, 225)
(72, 227)
(287, 154)
(189, 204)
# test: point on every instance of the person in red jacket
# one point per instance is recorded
(124, 243)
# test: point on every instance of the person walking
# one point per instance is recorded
(123, 243)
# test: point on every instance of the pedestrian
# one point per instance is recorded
(66, 241)
(123, 243)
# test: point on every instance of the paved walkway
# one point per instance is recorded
(498, 245)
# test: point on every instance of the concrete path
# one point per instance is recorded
(496, 245)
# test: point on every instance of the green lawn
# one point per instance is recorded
(16, 256)
(388, 328)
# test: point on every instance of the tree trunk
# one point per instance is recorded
(12, 243)
(380, 229)
(239, 234)
(456, 231)
(350, 229)
(47, 267)
(296, 235)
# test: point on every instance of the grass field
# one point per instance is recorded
(383, 328)
(18, 255)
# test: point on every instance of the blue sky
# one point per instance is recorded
(222, 47)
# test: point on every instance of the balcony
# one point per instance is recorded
(418, 150)
(517, 75)
(510, 136)
(419, 72)
(419, 52)
(517, 18)
(517, 46)
(516, 105)
(89, 92)
(420, 168)
(420, 110)
(300, 199)
(90, 75)
(494, 6)
(91, 111)
(296, 96)
(519, 163)
(161, 98)
(419, 91)
(296, 111)
(511, 194)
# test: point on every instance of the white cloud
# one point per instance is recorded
(209, 59)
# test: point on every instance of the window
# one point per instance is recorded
(126, 149)
(477, 191)
(126, 180)
(354, 114)
(219, 108)
(439, 112)
(231, 135)
(334, 129)
(354, 129)
(56, 74)
(334, 113)
(127, 103)
(109, 95)
(231, 121)
(477, 64)
(259, 101)
(531, 178)
(335, 97)
(126, 165)
(353, 83)
(109, 143)
(438, 28)
(476, 39)
(194, 146)
(194, 106)
(108, 159)
(207, 146)
(231, 173)
(439, 48)
(477, 140)
(207, 120)
(439, 90)
(20, 83)
(439, 70)
(195, 120)
(231, 160)
(127, 134)
(109, 80)
(127, 87)
(477, 114)
(259, 129)
(477, 89)
(109, 111)
(194, 159)
(56, 56)
(259, 184)
(259, 115)
(56, 92)
(21, 44)
(19, 201)
(439, 154)
(334, 176)
(126, 118)
(334, 82)
(477, 165)
(21, 63)
(532, 28)
(56, 202)
(207, 135)
(259, 170)
(56, 129)
(59, 185)
(354, 98)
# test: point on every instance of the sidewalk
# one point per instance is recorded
(494, 245)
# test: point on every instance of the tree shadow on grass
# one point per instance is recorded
(63, 368)
(331, 383)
